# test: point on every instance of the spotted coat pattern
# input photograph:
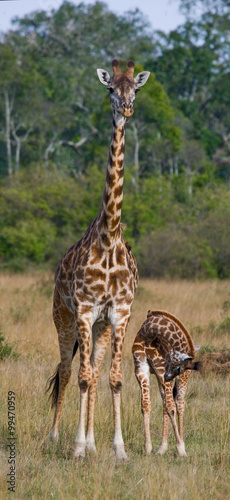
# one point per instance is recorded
(94, 287)
(163, 346)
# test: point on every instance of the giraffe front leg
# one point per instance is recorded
(181, 386)
(164, 442)
(84, 381)
(171, 410)
(101, 337)
(115, 379)
(142, 375)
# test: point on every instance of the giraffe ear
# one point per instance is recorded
(182, 357)
(104, 76)
(185, 359)
(141, 78)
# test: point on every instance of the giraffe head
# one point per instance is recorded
(122, 86)
(179, 363)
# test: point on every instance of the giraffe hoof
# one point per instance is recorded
(181, 450)
(79, 451)
(162, 449)
(120, 454)
(91, 448)
(53, 436)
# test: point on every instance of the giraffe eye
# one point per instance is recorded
(111, 90)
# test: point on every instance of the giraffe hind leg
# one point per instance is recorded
(179, 394)
(171, 410)
(142, 370)
(65, 325)
(53, 381)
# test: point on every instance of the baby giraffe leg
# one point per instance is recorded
(164, 442)
(181, 386)
(171, 410)
(142, 375)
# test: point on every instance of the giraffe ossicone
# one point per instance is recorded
(95, 284)
(163, 346)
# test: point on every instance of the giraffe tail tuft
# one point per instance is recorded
(53, 386)
(75, 349)
(197, 366)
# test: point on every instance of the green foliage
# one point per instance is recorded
(6, 350)
(55, 122)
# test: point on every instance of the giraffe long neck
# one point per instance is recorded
(110, 215)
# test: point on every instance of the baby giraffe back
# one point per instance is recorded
(163, 346)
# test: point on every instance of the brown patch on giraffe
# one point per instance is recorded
(80, 273)
(113, 149)
(106, 197)
(96, 274)
(99, 289)
(129, 299)
(114, 137)
(114, 224)
(110, 207)
(113, 283)
(121, 173)
(121, 136)
(118, 191)
(111, 179)
(111, 263)
(122, 149)
(97, 253)
(113, 233)
(85, 309)
(104, 263)
(111, 161)
(105, 239)
(119, 205)
(84, 260)
(64, 288)
(67, 260)
(120, 256)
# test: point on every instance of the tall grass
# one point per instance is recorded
(48, 470)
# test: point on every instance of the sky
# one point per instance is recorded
(162, 14)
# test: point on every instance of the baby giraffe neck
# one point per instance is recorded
(113, 195)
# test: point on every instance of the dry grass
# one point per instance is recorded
(48, 470)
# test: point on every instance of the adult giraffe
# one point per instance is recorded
(96, 281)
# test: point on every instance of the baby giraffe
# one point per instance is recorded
(164, 347)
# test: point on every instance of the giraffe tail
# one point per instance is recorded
(197, 366)
(53, 381)
(53, 386)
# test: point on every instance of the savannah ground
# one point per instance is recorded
(48, 471)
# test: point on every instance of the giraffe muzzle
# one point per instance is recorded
(126, 109)
(128, 112)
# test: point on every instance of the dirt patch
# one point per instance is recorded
(218, 362)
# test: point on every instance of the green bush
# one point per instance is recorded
(6, 350)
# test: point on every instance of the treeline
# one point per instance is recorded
(55, 125)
